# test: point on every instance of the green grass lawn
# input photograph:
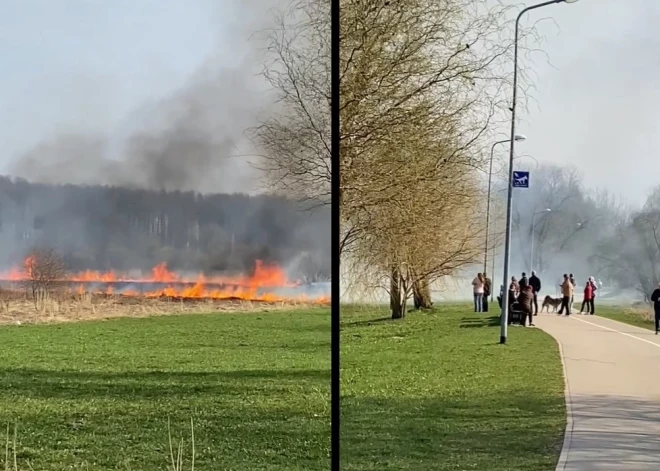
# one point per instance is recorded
(98, 395)
(436, 391)
(627, 316)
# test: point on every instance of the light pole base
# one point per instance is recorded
(502, 340)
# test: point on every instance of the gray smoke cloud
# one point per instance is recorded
(192, 139)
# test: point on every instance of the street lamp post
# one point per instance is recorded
(493, 275)
(519, 138)
(507, 243)
(531, 257)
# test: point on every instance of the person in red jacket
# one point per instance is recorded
(588, 298)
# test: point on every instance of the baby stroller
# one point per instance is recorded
(515, 315)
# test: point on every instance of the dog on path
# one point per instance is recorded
(550, 301)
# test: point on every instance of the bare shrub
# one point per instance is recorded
(44, 266)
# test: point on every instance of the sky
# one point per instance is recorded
(598, 100)
(99, 68)
(85, 66)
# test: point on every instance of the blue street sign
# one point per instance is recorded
(520, 179)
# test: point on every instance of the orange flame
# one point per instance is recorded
(28, 265)
(245, 287)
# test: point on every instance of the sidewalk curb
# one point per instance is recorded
(568, 433)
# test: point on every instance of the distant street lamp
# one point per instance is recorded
(519, 138)
(531, 258)
(507, 243)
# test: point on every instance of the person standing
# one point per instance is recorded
(594, 288)
(525, 305)
(478, 291)
(567, 296)
(572, 280)
(655, 298)
(524, 282)
(535, 283)
(514, 290)
(588, 299)
(487, 287)
(514, 286)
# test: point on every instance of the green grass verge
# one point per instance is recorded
(437, 392)
(638, 318)
(98, 395)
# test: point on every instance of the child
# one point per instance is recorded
(588, 297)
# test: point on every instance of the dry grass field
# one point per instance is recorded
(20, 307)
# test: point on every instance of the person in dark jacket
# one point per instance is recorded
(488, 286)
(524, 282)
(525, 305)
(535, 283)
(655, 298)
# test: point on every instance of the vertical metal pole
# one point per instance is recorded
(490, 179)
(335, 323)
(507, 243)
(492, 289)
(531, 257)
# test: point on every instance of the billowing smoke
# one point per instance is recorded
(137, 201)
(190, 138)
(191, 141)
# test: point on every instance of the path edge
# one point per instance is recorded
(568, 431)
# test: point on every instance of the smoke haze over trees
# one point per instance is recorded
(589, 232)
(420, 85)
(171, 177)
(107, 228)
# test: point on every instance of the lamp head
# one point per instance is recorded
(571, 1)
(548, 210)
(519, 138)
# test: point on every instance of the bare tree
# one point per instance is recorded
(421, 91)
(392, 55)
(434, 64)
(631, 258)
(44, 266)
(294, 139)
(585, 231)
(426, 228)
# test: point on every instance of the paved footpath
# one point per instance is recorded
(613, 393)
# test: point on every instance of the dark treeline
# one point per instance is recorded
(102, 228)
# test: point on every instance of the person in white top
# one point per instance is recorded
(478, 285)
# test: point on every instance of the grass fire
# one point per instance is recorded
(42, 282)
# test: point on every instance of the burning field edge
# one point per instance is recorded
(266, 283)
